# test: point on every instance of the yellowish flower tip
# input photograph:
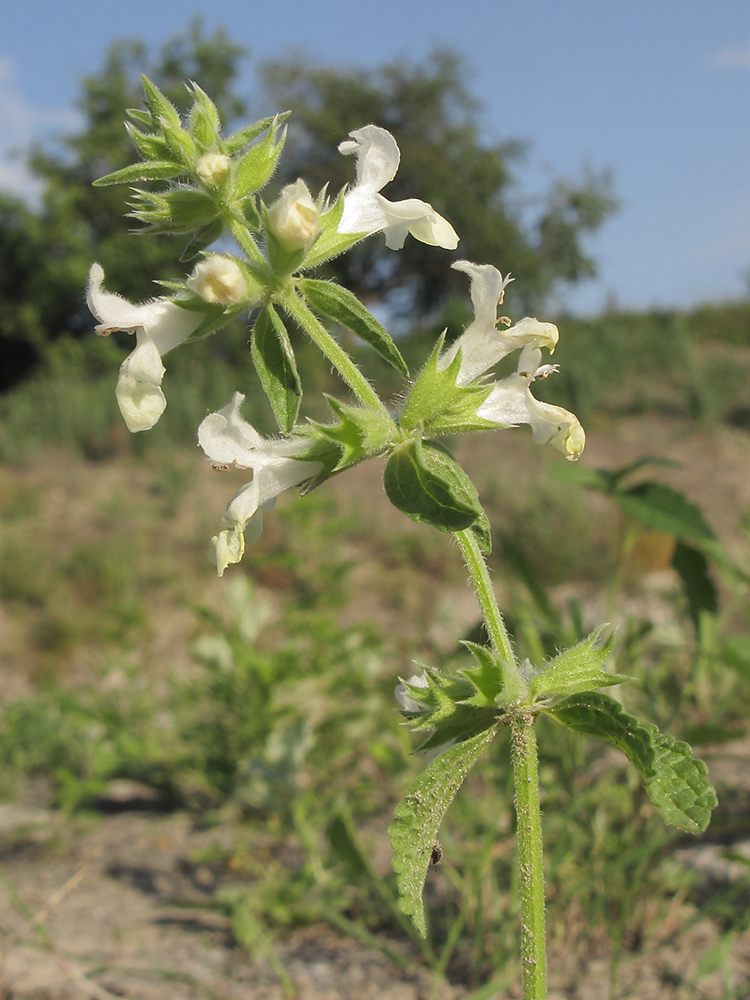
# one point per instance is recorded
(219, 280)
(212, 169)
(573, 441)
(293, 217)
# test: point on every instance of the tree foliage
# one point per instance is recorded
(445, 158)
(45, 253)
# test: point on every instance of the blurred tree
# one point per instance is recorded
(445, 161)
(45, 255)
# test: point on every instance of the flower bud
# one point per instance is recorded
(219, 280)
(212, 169)
(293, 217)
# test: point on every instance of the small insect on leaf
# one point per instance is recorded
(437, 853)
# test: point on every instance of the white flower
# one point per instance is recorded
(293, 217)
(159, 325)
(482, 345)
(367, 211)
(218, 280)
(405, 700)
(510, 403)
(229, 440)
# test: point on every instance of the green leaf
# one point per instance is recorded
(736, 654)
(580, 475)
(661, 508)
(680, 786)
(439, 406)
(258, 164)
(577, 669)
(276, 366)
(205, 124)
(153, 171)
(330, 242)
(246, 135)
(340, 305)
(486, 677)
(418, 817)
(675, 780)
(163, 112)
(425, 482)
(692, 566)
(447, 709)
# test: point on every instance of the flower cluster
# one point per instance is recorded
(453, 393)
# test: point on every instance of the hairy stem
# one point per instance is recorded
(530, 869)
(480, 578)
(526, 779)
(309, 322)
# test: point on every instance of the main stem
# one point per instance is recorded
(526, 780)
(530, 867)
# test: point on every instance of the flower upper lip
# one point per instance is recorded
(367, 211)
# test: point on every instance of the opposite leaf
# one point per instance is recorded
(577, 669)
(675, 780)
(418, 817)
(340, 305)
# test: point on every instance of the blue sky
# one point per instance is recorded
(656, 90)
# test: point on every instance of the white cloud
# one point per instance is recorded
(738, 58)
(20, 124)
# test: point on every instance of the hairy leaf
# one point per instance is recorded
(274, 361)
(424, 481)
(418, 817)
(675, 780)
(577, 669)
(340, 305)
(153, 171)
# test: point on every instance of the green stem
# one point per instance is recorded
(530, 869)
(309, 322)
(480, 577)
(526, 779)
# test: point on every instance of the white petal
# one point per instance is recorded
(558, 427)
(507, 403)
(487, 290)
(141, 403)
(226, 548)
(483, 346)
(378, 156)
(227, 438)
(418, 218)
(167, 324)
(144, 363)
(510, 403)
(362, 213)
